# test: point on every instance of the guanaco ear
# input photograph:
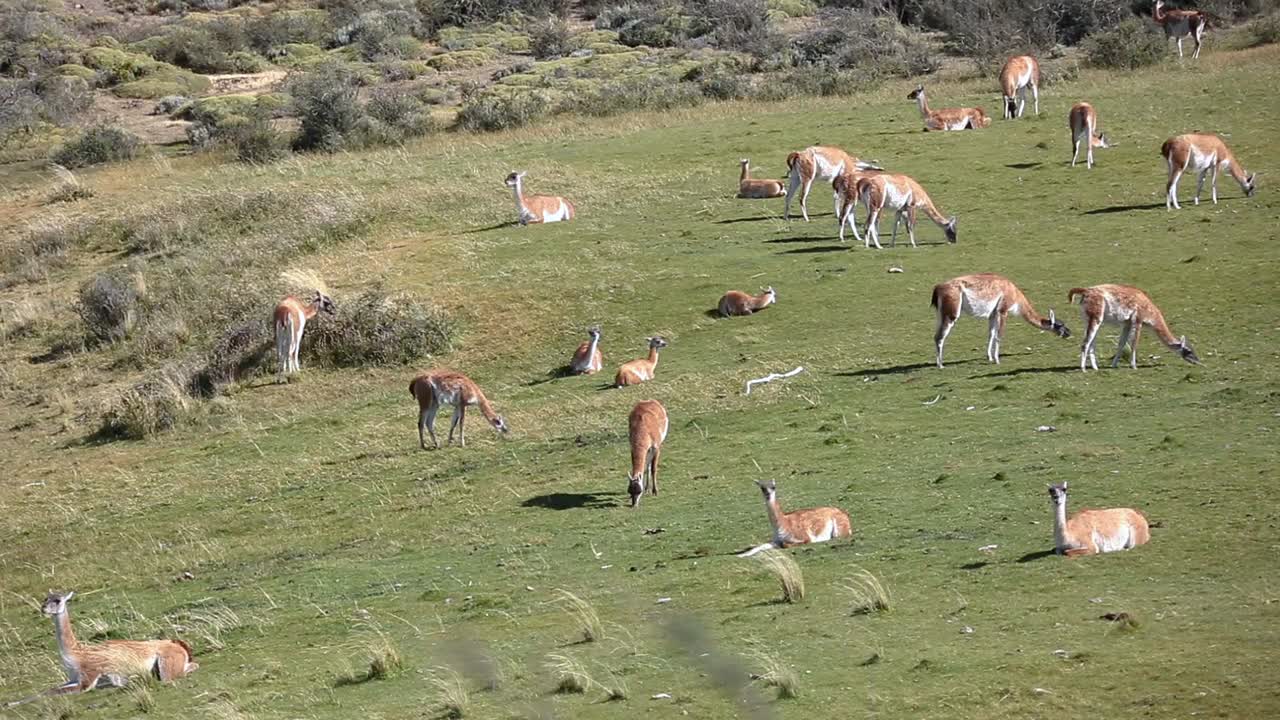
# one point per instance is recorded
(1064, 485)
(69, 595)
(1053, 320)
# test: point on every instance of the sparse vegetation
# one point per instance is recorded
(108, 307)
(867, 593)
(774, 673)
(785, 570)
(570, 674)
(583, 614)
(451, 694)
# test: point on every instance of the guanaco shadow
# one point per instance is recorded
(1025, 371)
(805, 238)
(897, 369)
(975, 565)
(1024, 165)
(1033, 556)
(574, 501)
(498, 226)
(815, 249)
(561, 372)
(1123, 208)
(734, 221)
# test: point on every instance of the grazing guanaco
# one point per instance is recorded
(905, 196)
(1018, 74)
(817, 162)
(446, 387)
(647, 428)
(1090, 532)
(736, 302)
(799, 527)
(290, 317)
(948, 118)
(990, 296)
(846, 189)
(538, 208)
(1130, 308)
(638, 371)
(1181, 24)
(111, 663)
(587, 359)
(1201, 154)
(1083, 121)
(757, 189)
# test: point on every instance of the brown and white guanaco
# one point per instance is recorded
(647, 429)
(1201, 154)
(846, 189)
(1083, 121)
(290, 318)
(111, 663)
(990, 296)
(799, 527)
(641, 370)
(538, 208)
(818, 162)
(1090, 532)
(587, 359)
(948, 118)
(736, 302)
(905, 196)
(446, 387)
(1181, 24)
(1016, 76)
(1130, 308)
(757, 189)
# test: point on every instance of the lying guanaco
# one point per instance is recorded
(587, 360)
(736, 302)
(1090, 532)
(948, 118)
(990, 296)
(538, 208)
(1130, 308)
(647, 429)
(446, 387)
(799, 527)
(757, 189)
(638, 371)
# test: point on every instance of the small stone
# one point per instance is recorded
(966, 630)
(665, 600)
(1046, 428)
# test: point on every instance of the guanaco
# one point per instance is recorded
(587, 359)
(1130, 308)
(638, 371)
(111, 663)
(948, 118)
(990, 296)
(1201, 154)
(818, 162)
(1083, 121)
(538, 208)
(757, 189)
(1090, 532)
(905, 196)
(1016, 76)
(736, 302)
(846, 189)
(290, 317)
(799, 527)
(446, 387)
(647, 428)
(1181, 24)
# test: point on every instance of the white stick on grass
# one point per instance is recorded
(770, 378)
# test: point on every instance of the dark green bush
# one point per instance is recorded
(396, 115)
(255, 140)
(100, 144)
(550, 38)
(376, 328)
(1132, 44)
(491, 111)
(876, 45)
(326, 102)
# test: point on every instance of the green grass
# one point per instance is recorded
(305, 512)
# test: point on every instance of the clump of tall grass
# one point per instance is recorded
(377, 328)
(158, 403)
(100, 144)
(42, 247)
(108, 306)
(583, 614)
(774, 673)
(450, 692)
(868, 594)
(570, 674)
(67, 187)
(786, 571)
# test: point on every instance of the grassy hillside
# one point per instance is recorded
(317, 535)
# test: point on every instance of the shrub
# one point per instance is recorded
(550, 38)
(239, 354)
(876, 45)
(325, 100)
(171, 81)
(1132, 44)
(156, 404)
(794, 8)
(100, 144)
(170, 104)
(741, 25)
(380, 329)
(662, 24)
(108, 308)
(1266, 30)
(492, 111)
(651, 92)
(256, 141)
(396, 115)
(461, 59)
(271, 35)
(988, 31)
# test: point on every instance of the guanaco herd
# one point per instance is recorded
(984, 295)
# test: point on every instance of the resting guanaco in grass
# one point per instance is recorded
(905, 196)
(736, 302)
(818, 162)
(799, 527)
(587, 360)
(757, 189)
(1083, 121)
(1202, 154)
(1181, 24)
(948, 118)
(641, 370)
(111, 663)
(538, 208)
(647, 429)
(990, 296)
(1130, 308)
(1090, 532)
(290, 317)
(1016, 76)
(446, 387)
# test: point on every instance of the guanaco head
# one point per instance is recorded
(1101, 140)
(744, 162)
(1058, 494)
(499, 423)
(917, 93)
(635, 488)
(594, 332)
(56, 603)
(656, 342)
(1251, 184)
(1055, 326)
(513, 180)
(950, 229)
(771, 295)
(1185, 351)
(324, 304)
(770, 490)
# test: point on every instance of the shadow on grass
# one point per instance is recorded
(762, 218)
(498, 226)
(713, 313)
(975, 565)
(1033, 556)
(1026, 371)
(817, 249)
(1024, 166)
(563, 371)
(573, 501)
(1123, 208)
(807, 238)
(893, 370)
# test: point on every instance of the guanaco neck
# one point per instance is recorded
(653, 356)
(485, 408)
(1030, 315)
(67, 643)
(760, 301)
(591, 349)
(1060, 525)
(310, 309)
(518, 192)
(1237, 172)
(1158, 13)
(1166, 335)
(639, 458)
(775, 514)
(746, 173)
(924, 106)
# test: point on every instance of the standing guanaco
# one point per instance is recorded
(587, 360)
(538, 208)
(757, 189)
(446, 387)
(1016, 76)
(948, 118)
(1181, 24)
(818, 162)
(905, 196)
(799, 527)
(647, 429)
(1083, 121)
(111, 663)
(736, 302)
(290, 317)
(638, 371)
(1201, 154)
(990, 296)
(846, 189)
(1131, 308)
(1090, 532)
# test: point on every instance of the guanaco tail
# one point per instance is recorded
(1130, 308)
(736, 302)
(647, 429)
(446, 387)
(111, 663)
(1181, 24)
(587, 360)
(757, 189)
(290, 317)
(641, 370)
(990, 296)
(1083, 121)
(799, 527)
(1090, 532)
(1202, 154)
(817, 162)
(538, 208)
(948, 118)
(1018, 74)
(905, 196)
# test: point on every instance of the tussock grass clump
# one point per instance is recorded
(1131, 44)
(648, 92)
(774, 673)
(784, 568)
(108, 307)
(381, 658)
(67, 187)
(43, 247)
(450, 692)
(156, 404)
(25, 316)
(376, 328)
(100, 144)
(570, 674)
(867, 593)
(140, 692)
(583, 614)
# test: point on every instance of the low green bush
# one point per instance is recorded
(99, 144)
(1132, 44)
(493, 111)
(462, 59)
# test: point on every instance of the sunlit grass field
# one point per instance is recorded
(319, 538)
